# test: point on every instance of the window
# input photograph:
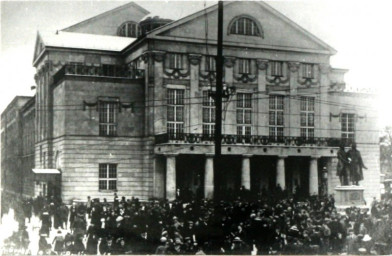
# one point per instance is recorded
(244, 66)
(107, 118)
(128, 29)
(210, 63)
(175, 112)
(75, 68)
(244, 26)
(276, 117)
(175, 61)
(348, 129)
(307, 71)
(307, 117)
(244, 114)
(107, 176)
(208, 114)
(276, 68)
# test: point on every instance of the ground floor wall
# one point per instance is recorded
(78, 159)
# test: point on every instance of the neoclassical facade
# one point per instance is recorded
(128, 109)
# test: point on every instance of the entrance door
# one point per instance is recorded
(190, 176)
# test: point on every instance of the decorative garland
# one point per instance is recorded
(245, 78)
(278, 80)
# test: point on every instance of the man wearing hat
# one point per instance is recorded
(162, 248)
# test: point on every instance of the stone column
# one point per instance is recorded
(245, 171)
(229, 114)
(194, 124)
(323, 108)
(209, 177)
(157, 95)
(171, 177)
(313, 176)
(281, 172)
(294, 101)
(263, 100)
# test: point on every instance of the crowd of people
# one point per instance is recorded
(272, 224)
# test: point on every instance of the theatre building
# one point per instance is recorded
(123, 105)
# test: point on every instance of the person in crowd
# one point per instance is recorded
(58, 242)
(273, 223)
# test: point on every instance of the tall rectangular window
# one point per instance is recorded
(175, 111)
(348, 127)
(208, 114)
(175, 61)
(307, 117)
(276, 68)
(107, 176)
(244, 114)
(307, 70)
(107, 118)
(276, 117)
(244, 66)
(210, 63)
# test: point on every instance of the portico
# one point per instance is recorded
(186, 174)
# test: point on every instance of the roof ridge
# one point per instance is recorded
(105, 14)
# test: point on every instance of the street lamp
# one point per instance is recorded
(227, 92)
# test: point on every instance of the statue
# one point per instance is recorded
(342, 167)
(356, 165)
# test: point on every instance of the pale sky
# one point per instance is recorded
(358, 30)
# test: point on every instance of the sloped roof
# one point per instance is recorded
(110, 12)
(85, 41)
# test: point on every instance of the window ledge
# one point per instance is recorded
(107, 190)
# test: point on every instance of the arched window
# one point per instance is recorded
(129, 29)
(245, 26)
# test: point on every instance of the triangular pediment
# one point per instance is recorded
(276, 30)
(39, 47)
(107, 23)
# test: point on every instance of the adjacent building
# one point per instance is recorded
(123, 105)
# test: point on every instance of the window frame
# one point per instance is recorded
(308, 70)
(345, 118)
(276, 110)
(107, 179)
(124, 27)
(210, 63)
(244, 113)
(307, 110)
(208, 110)
(176, 61)
(245, 26)
(276, 68)
(244, 66)
(104, 118)
(175, 127)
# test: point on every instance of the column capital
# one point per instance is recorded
(325, 68)
(282, 156)
(170, 154)
(229, 61)
(262, 64)
(247, 155)
(209, 155)
(194, 59)
(293, 66)
(315, 157)
(157, 56)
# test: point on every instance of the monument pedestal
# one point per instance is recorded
(348, 196)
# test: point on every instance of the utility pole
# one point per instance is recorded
(218, 93)
(219, 84)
